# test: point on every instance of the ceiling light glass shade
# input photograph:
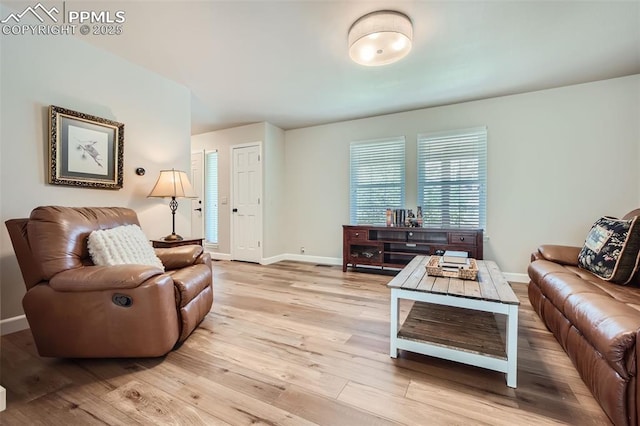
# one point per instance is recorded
(380, 38)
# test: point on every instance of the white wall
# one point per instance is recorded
(275, 215)
(39, 71)
(557, 160)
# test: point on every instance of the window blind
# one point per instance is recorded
(452, 178)
(377, 179)
(211, 197)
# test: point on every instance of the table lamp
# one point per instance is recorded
(175, 184)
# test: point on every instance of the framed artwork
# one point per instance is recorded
(84, 150)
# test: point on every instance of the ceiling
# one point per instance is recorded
(287, 62)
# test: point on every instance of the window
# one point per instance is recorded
(452, 178)
(377, 179)
(211, 198)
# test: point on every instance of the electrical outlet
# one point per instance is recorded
(302, 250)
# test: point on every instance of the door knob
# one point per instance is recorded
(235, 210)
(199, 209)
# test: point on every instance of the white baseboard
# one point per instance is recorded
(219, 256)
(273, 259)
(11, 325)
(3, 399)
(516, 277)
(285, 256)
(321, 260)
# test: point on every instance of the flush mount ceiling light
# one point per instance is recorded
(380, 38)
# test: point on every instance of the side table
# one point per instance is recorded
(175, 243)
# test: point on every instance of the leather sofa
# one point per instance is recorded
(597, 324)
(76, 309)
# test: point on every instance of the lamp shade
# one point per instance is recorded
(173, 183)
(380, 38)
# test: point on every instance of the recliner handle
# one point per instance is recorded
(122, 300)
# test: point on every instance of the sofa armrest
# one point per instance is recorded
(179, 257)
(96, 278)
(563, 255)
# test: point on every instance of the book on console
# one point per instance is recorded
(450, 269)
(457, 257)
(455, 265)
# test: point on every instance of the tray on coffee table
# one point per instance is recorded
(469, 273)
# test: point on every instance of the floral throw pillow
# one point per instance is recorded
(611, 249)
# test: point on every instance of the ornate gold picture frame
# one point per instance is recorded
(84, 150)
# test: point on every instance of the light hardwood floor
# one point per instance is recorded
(295, 344)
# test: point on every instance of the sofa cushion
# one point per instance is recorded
(549, 276)
(122, 245)
(611, 249)
(604, 313)
(609, 326)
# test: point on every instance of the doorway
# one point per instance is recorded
(197, 180)
(246, 213)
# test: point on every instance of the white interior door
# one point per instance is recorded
(197, 181)
(246, 209)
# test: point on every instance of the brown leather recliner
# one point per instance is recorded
(76, 309)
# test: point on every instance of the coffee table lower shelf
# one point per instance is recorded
(458, 334)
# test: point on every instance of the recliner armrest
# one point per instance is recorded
(178, 257)
(96, 278)
(563, 255)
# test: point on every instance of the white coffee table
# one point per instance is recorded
(455, 319)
